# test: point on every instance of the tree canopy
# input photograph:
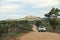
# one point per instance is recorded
(52, 16)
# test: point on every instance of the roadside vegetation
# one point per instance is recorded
(12, 28)
(51, 20)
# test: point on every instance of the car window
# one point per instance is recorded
(41, 26)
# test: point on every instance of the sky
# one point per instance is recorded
(20, 8)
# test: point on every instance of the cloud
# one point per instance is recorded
(7, 6)
(13, 8)
(18, 0)
(45, 3)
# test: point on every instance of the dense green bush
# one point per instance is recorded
(14, 27)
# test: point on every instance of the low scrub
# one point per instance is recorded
(11, 28)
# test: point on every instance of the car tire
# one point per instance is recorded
(38, 30)
(44, 31)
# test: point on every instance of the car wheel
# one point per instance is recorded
(38, 30)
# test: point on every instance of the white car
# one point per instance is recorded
(42, 29)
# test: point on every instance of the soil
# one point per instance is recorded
(35, 35)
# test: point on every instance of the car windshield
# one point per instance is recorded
(41, 26)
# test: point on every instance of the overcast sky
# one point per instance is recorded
(20, 8)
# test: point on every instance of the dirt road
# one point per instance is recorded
(35, 35)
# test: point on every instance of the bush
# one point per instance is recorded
(14, 27)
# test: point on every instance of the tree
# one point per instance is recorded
(52, 16)
(38, 23)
